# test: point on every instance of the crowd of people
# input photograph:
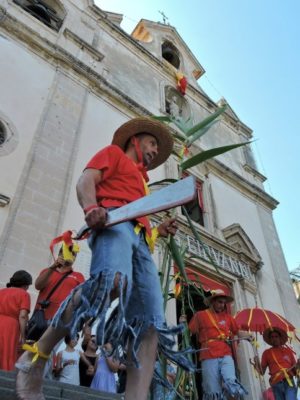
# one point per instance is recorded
(121, 266)
(91, 366)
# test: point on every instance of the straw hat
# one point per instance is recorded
(219, 293)
(152, 127)
(283, 335)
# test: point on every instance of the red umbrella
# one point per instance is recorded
(259, 319)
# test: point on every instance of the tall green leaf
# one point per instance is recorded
(184, 126)
(178, 258)
(206, 155)
(206, 121)
(199, 133)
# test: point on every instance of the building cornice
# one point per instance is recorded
(83, 44)
(237, 181)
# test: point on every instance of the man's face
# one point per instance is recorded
(64, 263)
(149, 148)
(275, 339)
(219, 304)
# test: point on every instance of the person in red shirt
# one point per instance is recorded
(215, 328)
(281, 362)
(49, 277)
(14, 309)
(121, 263)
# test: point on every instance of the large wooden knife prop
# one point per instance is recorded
(173, 195)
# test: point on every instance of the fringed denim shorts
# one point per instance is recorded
(121, 261)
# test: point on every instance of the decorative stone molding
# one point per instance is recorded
(237, 238)
(254, 172)
(228, 175)
(83, 45)
(249, 286)
(221, 259)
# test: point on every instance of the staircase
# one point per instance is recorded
(53, 390)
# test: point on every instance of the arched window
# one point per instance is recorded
(171, 54)
(3, 134)
(49, 12)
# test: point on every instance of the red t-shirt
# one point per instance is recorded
(63, 290)
(202, 325)
(121, 181)
(285, 358)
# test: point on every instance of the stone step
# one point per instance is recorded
(54, 390)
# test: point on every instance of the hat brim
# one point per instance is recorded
(228, 299)
(152, 127)
(282, 333)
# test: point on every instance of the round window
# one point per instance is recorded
(3, 134)
(9, 137)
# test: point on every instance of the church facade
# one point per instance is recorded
(69, 77)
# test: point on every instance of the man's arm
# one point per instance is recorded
(42, 280)
(23, 318)
(95, 216)
(86, 187)
(169, 226)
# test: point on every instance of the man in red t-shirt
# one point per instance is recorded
(121, 261)
(281, 362)
(49, 277)
(215, 328)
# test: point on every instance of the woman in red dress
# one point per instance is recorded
(14, 310)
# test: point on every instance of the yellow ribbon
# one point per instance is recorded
(222, 335)
(282, 370)
(35, 350)
(70, 255)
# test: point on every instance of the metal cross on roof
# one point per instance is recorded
(165, 18)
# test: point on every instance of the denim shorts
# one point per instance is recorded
(121, 257)
(283, 391)
(119, 249)
(219, 379)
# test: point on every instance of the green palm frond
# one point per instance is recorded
(206, 121)
(206, 155)
(178, 258)
(199, 133)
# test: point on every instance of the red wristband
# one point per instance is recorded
(89, 208)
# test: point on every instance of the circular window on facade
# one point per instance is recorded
(2, 134)
(8, 136)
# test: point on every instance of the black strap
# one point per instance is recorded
(57, 285)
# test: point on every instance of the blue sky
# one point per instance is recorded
(251, 53)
